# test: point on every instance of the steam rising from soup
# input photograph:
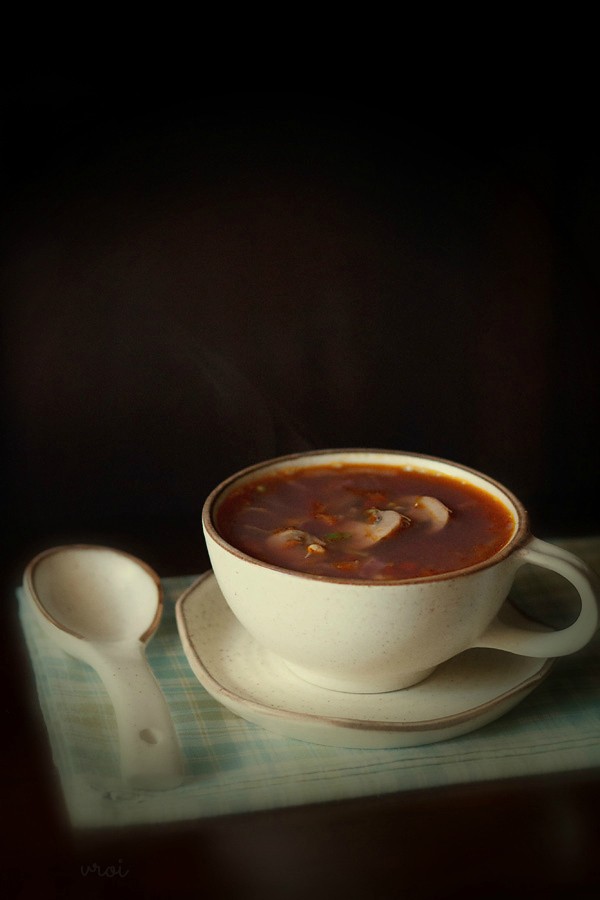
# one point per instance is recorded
(371, 522)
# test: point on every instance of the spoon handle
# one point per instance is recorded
(150, 753)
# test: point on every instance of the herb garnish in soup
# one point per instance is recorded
(364, 521)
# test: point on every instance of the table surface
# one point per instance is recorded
(528, 836)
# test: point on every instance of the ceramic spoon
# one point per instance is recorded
(103, 606)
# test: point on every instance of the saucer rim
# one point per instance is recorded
(440, 723)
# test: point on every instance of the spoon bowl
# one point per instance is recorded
(102, 606)
(81, 589)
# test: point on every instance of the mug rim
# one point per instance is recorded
(517, 540)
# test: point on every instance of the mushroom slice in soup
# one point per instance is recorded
(428, 511)
(289, 538)
(380, 524)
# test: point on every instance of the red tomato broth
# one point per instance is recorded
(321, 500)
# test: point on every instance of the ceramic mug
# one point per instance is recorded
(375, 636)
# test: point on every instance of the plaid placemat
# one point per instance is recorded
(233, 766)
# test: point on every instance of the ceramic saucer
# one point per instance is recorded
(462, 695)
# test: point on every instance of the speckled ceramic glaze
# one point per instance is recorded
(462, 695)
(370, 637)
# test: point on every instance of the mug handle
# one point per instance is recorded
(500, 636)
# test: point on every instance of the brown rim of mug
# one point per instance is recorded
(519, 538)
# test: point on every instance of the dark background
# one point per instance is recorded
(197, 276)
(194, 281)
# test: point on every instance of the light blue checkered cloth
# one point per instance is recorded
(234, 766)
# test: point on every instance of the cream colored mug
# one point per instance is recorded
(373, 636)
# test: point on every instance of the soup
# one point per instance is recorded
(372, 522)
